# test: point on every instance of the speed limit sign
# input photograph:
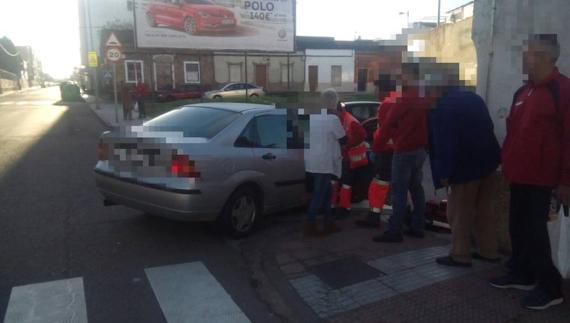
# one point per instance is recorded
(113, 54)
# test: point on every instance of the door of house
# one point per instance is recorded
(313, 77)
(164, 76)
(261, 75)
(362, 79)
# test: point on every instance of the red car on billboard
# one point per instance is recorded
(193, 16)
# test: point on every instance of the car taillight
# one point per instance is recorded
(182, 166)
(103, 151)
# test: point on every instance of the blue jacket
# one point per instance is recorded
(463, 146)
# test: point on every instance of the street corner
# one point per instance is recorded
(346, 277)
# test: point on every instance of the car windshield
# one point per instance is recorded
(193, 121)
(206, 2)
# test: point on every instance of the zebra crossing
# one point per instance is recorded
(186, 292)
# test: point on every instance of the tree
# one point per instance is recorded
(10, 59)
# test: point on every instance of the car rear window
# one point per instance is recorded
(193, 121)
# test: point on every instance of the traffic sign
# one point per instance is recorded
(92, 59)
(113, 41)
(113, 54)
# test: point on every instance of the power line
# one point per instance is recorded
(7, 52)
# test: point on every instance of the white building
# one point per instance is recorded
(330, 68)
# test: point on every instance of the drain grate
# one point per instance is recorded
(345, 272)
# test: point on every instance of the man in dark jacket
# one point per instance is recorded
(464, 156)
(536, 160)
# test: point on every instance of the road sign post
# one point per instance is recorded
(113, 55)
(93, 64)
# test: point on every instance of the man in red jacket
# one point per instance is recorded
(353, 157)
(536, 160)
(406, 125)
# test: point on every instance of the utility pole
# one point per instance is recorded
(94, 70)
(438, 12)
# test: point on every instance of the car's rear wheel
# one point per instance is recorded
(254, 96)
(217, 97)
(190, 26)
(150, 19)
(241, 212)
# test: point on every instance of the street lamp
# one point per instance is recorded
(438, 12)
(407, 13)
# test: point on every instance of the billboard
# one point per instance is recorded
(264, 25)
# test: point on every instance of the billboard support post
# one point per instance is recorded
(246, 87)
(288, 72)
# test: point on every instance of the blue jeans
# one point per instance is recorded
(321, 198)
(407, 175)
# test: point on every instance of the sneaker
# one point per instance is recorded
(511, 281)
(448, 261)
(539, 300)
(389, 237)
(415, 234)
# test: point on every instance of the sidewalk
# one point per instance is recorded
(348, 278)
(106, 114)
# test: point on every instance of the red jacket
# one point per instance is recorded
(536, 150)
(405, 121)
(378, 146)
(355, 132)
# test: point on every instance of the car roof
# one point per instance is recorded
(234, 107)
(361, 102)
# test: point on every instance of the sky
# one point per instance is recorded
(53, 31)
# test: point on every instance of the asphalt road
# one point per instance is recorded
(53, 225)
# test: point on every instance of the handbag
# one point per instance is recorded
(559, 233)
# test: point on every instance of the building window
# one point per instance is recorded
(134, 72)
(284, 73)
(235, 72)
(336, 75)
(191, 72)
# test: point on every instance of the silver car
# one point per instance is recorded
(233, 90)
(204, 162)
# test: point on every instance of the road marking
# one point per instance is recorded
(55, 301)
(190, 293)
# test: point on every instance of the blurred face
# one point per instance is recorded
(536, 60)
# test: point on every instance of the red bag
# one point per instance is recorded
(357, 156)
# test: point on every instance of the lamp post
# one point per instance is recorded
(438, 12)
(407, 13)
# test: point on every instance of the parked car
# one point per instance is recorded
(192, 16)
(186, 91)
(218, 161)
(235, 90)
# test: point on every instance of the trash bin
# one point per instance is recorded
(70, 92)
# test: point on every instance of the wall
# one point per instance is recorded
(451, 43)
(500, 59)
(386, 62)
(273, 62)
(325, 59)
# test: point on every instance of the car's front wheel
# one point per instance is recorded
(190, 26)
(217, 97)
(241, 212)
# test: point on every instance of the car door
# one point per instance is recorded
(235, 90)
(282, 168)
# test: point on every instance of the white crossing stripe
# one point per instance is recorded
(190, 293)
(55, 301)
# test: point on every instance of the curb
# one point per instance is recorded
(101, 119)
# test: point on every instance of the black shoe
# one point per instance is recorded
(388, 237)
(415, 234)
(539, 300)
(341, 213)
(478, 256)
(512, 281)
(372, 221)
(448, 261)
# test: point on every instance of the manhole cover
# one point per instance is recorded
(344, 272)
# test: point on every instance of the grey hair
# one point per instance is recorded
(330, 95)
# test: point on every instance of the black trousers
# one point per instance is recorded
(532, 259)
